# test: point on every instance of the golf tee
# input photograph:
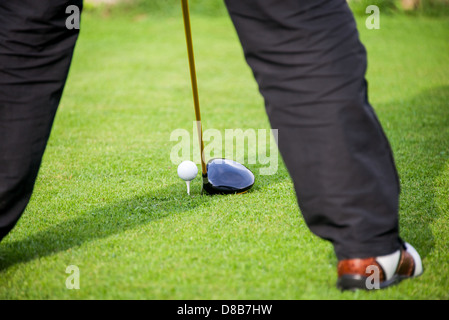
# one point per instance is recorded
(188, 187)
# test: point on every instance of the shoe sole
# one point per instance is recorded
(356, 282)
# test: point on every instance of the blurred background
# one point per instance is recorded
(216, 7)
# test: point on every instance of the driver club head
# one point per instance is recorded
(226, 176)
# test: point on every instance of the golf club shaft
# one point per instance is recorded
(196, 100)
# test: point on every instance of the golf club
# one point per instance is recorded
(220, 176)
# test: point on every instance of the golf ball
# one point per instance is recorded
(187, 170)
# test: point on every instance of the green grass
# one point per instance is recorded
(108, 198)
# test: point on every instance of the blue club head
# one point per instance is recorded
(227, 177)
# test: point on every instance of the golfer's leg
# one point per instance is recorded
(310, 66)
(35, 53)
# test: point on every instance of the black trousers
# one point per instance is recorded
(35, 53)
(310, 66)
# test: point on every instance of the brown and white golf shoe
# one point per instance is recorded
(379, 272)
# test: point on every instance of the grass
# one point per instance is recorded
(109, 201)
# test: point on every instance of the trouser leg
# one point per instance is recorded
(310, 67)
(35, 53)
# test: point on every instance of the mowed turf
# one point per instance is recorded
(108, 199)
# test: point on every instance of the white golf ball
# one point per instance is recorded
(187, 170)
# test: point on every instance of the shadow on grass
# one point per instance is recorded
(105, 221)
(419, 136)
(100, 223)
